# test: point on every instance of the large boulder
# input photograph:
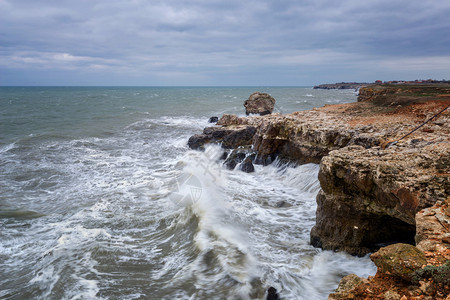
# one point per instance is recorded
(259, 103)
(399, 260)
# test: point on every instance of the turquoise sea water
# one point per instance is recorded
(93, 203)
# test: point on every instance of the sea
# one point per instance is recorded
(100, 198)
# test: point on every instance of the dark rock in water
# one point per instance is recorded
(224, 155)
(281, 204)
(272, 294)
(197, 141)
(247, 165)
(230, 137)
(264, 160)
(213, 120)
(259, 103)
(236, 156)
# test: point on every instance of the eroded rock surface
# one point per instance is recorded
(371, 195)
(259, 103)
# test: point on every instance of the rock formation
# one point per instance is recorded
(259, 103)
(371, 195)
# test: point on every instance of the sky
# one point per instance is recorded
(222, 43)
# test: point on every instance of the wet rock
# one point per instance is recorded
(259, 103)
(213, 120)
(197, 141)
(234, 158)
(399, 260)
(230, 137)
(272, 294)
(247, 165)
(264, 160)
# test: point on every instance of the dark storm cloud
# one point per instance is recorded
(217, 42)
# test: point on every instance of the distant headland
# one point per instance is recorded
(357, 85)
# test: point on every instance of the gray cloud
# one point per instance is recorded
(231, 42)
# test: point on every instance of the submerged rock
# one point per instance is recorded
(259, 103)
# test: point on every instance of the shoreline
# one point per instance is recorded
(371, 196)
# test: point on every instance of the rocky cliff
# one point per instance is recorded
(376, 182)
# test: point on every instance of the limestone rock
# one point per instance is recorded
(433, 228)
(381, 190)
(230, 137)
(346, 287)
(399, 260)
(228, 120)
(259, 103)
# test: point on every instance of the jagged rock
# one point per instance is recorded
(399, 260)
(213, 120)
(230, 137)
(234, 158)
(433, 228)
(247, 165)
(197, 141)
(227, 120)
(381, 190)
(239, 137)
(259, 103)
(346, 287)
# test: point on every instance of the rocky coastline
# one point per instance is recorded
(380, 192)
(341, 86)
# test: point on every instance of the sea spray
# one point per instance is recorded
(223, 250)
(87, 207)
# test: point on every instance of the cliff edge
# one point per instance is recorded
(378, 184)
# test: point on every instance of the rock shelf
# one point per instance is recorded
(371, 196)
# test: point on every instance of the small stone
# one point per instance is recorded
(213, 120)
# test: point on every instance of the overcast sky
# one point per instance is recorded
(230, 42)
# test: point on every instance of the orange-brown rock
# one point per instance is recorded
(371, 195)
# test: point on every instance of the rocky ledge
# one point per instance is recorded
(378, 186)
